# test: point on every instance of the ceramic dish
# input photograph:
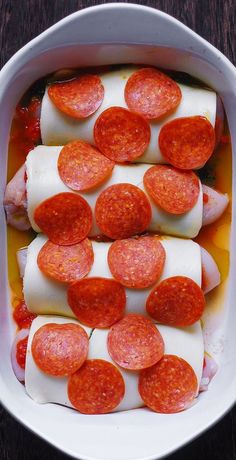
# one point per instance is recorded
(107, 34)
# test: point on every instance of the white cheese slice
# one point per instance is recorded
(40, 386)
(184, 342)
(43, 181)
(187, 343)
(98, 350)
(45, 296)
(58, 128)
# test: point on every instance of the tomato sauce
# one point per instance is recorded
(21, 349)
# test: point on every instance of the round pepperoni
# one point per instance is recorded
(173, 190)
(135, 343)
(151, 93)
(82, 167)
(60, 349)
(169, 386)
(66, 218)
(96, 388)
(97, 302)
(78, 98)
(122, 210)
(177, 301)
(187, 143)
(121, 135)
(66, 263)
(136, 263)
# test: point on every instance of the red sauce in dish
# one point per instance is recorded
(22, 316)
(21, 349)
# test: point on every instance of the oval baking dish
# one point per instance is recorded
(115, 34)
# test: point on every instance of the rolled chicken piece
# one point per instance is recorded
(210, 272)
(215, 204)
(186, 343)
(58, 128)
(44, 181)
(21, 257)
(46, 296)
(210, 368)
(15, 201)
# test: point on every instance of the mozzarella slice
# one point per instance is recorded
(184, 342)
(45, 296)
(57, 128)
(43, 181)
(98, 350)
(41, 387)
(42, 295)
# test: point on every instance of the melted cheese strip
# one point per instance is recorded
(45, 296)
(184, 342)
(43, 181)
(58, 128)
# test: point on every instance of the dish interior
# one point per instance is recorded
(218, 321)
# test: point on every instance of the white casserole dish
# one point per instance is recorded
(105, 34)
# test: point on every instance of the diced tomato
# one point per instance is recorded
(22, 113)
(34, 106)
(22, 316)
(32, 130)
(27, 130)
(205, 198)
(25, 146)
(21, 348)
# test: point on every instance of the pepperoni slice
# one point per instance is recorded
(122, 210)
(96, 388)
(21, 349)
(151, 93)
(82, 167)
(135, 343)
(78, 98)
(136, 263)
(173, 190)
(97, 302)
(66, 263)
(60, 349)
(177, 301)
(66, 218)
(187, 143)
(169, 386)
(121, 135)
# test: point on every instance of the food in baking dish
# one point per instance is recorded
(130, 295)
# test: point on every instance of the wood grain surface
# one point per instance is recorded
(20, 21)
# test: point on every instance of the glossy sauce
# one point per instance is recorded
(215, 237)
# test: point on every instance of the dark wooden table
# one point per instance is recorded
(20, 21)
